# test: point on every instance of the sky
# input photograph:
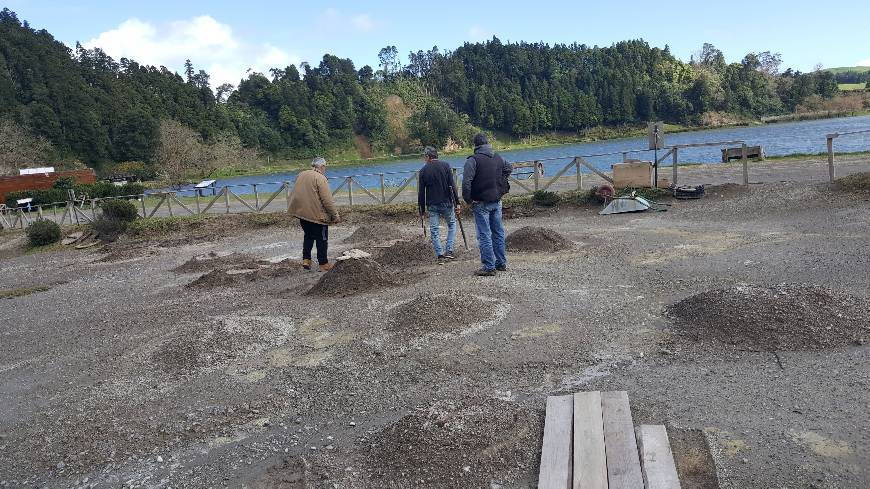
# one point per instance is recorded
(228, 38)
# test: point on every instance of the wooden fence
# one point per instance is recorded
(230, 198)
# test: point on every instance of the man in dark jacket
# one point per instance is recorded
(436, 195)
(484, 182)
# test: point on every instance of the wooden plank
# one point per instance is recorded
(590, 463)
(556, 448)
(659, 469)
(623, 464)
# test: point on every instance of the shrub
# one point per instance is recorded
(138, 170)
(95, 191)
(64, 183)
(43, 232)
(545, 198)
(40, 197)
(108, 228)
(580, 198)
(122, 210)
(647, 193)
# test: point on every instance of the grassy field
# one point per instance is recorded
(848, 87)
(846, 69)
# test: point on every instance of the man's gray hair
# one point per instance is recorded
(318, 162)
(430, 152)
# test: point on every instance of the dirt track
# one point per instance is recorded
(120, 374)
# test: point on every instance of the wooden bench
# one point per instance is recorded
(729, 154)
(590, 442)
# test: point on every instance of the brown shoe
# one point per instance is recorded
(326, 267)
(306, 264)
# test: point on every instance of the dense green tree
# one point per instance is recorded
(91, 107)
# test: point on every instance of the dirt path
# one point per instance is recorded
(122, 375)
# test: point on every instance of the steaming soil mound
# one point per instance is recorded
(350, 277)
(471, 443)
(406, 253)
(440, 313)
(782, 317)
(373, 234)
(531, 238)
(213, 260)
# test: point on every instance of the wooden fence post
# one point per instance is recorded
(676, 162)
(169, 203)
(579, 175)
(535, 173)
(256, 198)
(350, 190)
(745, 164)
(383, 190)
(831, 157)
(196, 198)
(227, 198)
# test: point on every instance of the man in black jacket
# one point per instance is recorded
(436, 195)
(484, 182)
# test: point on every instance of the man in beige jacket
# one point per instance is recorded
(313, 204)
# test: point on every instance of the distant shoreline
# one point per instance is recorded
(547, 140)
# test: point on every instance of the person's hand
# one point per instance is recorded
(458, 209)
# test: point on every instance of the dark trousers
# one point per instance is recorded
(315, 233)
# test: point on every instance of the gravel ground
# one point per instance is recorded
(121, 375)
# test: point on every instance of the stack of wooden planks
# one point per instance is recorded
(590, 442)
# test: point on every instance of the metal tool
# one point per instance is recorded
(462, 230)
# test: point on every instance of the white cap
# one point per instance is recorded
(318, 162)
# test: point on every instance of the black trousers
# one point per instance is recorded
(315, 233)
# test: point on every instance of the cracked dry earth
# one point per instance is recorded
(117, 373)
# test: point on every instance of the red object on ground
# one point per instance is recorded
(42, 181)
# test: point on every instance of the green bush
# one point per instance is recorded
(107, 228)
(40, 197)
(545, 198)
(647, 193)
(122, 210)
(64, 183)
(580, 198)
(95, 191)
(43, 232)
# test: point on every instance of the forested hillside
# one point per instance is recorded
(82, 104)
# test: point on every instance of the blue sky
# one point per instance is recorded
(226, 38)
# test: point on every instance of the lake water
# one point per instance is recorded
(777, 139)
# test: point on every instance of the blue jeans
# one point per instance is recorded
(490, 234)
(435, 213)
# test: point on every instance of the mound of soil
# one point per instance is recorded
(531, 238)
(213, 261)
(350, 277)
(782, 317)
(472, 443)
(406, 253)
(373, 234)
(859, 182)
(203, 346)
(440, 313)
(245, 271)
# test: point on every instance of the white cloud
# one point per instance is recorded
(866, 62)
(479, 34)
(335, 20)
(363, 22)
(209, 44)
